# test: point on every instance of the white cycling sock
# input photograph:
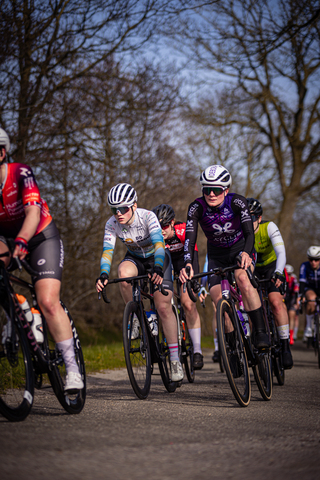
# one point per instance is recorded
(309, 320)
(283, 331)
(295, 333)
(174, 354)
(195, 335)
(216, 344)
(66, 347)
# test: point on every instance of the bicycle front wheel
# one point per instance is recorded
(262, 375)
(16, 371)
(233, 353)
(72, 401)
(136, 350)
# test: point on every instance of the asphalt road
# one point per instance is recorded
(198, 432)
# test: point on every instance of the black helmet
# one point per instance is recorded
(165, 213)
(255, 208)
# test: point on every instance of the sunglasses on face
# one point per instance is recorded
(165, 227)
(216, 190)
(314, 259)
(121, 210)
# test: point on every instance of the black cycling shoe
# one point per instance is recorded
(197, 361)
(260, 339)
(216, 356)
(287, 360)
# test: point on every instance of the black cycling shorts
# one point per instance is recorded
(46, 254)
(144, 264)
(225, 258)
(266, 272)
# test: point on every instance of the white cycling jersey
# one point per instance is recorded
(143, 238)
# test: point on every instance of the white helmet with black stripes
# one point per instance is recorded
(122, 195)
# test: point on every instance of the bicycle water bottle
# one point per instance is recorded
(153, 322)
(244, 319)
(24, 304)
(36, 325)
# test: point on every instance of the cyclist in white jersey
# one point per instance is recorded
(140, 231)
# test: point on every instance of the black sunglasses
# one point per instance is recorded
(216, 190)
(122, 210)
(313, 259)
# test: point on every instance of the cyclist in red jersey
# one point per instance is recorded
(25, 217)
(174, 234)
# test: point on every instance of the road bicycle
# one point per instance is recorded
(234, 338)
(23, 361)
(184, 340)
(144, 349)
(276, 347)
(314, 341)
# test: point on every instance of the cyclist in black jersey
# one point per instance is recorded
(225, 219)
(309, 285)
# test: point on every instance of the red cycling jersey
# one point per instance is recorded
(18, 191)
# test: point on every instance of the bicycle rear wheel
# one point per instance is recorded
(16, 371)
(72, 402)
(276, 357)
(137, 351)
(187, 351)
(317, 337)
(233, 353)
(262, 375)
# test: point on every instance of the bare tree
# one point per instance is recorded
(48, 45)
(266, 54)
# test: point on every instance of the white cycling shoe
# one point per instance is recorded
(73, 382)
(176, 371)
(135, 327)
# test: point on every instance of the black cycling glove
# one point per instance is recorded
(158, 271)
(104, 276)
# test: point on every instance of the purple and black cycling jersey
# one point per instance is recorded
(225, 226)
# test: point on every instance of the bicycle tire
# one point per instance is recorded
(263, 376)
(317, 337)
(234, 354)
(165, 366)
(137, 352)
(187, 352)
(16, 372)
(72, 402)
(276, 356)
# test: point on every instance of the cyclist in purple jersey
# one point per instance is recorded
(225, 220)
(309, 284)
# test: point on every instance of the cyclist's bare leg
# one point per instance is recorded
(190, 310)
(126, 269)
(250, 296)
(4, 249)
(278, 308)
(168, 318)
(311, 306)
(48, 298)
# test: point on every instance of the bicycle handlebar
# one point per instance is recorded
(130, 280)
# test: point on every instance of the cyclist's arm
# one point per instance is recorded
(109, 241)
(194, 214)
(240, 207)
(278, 246)
(27, 231)
(159, 248)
